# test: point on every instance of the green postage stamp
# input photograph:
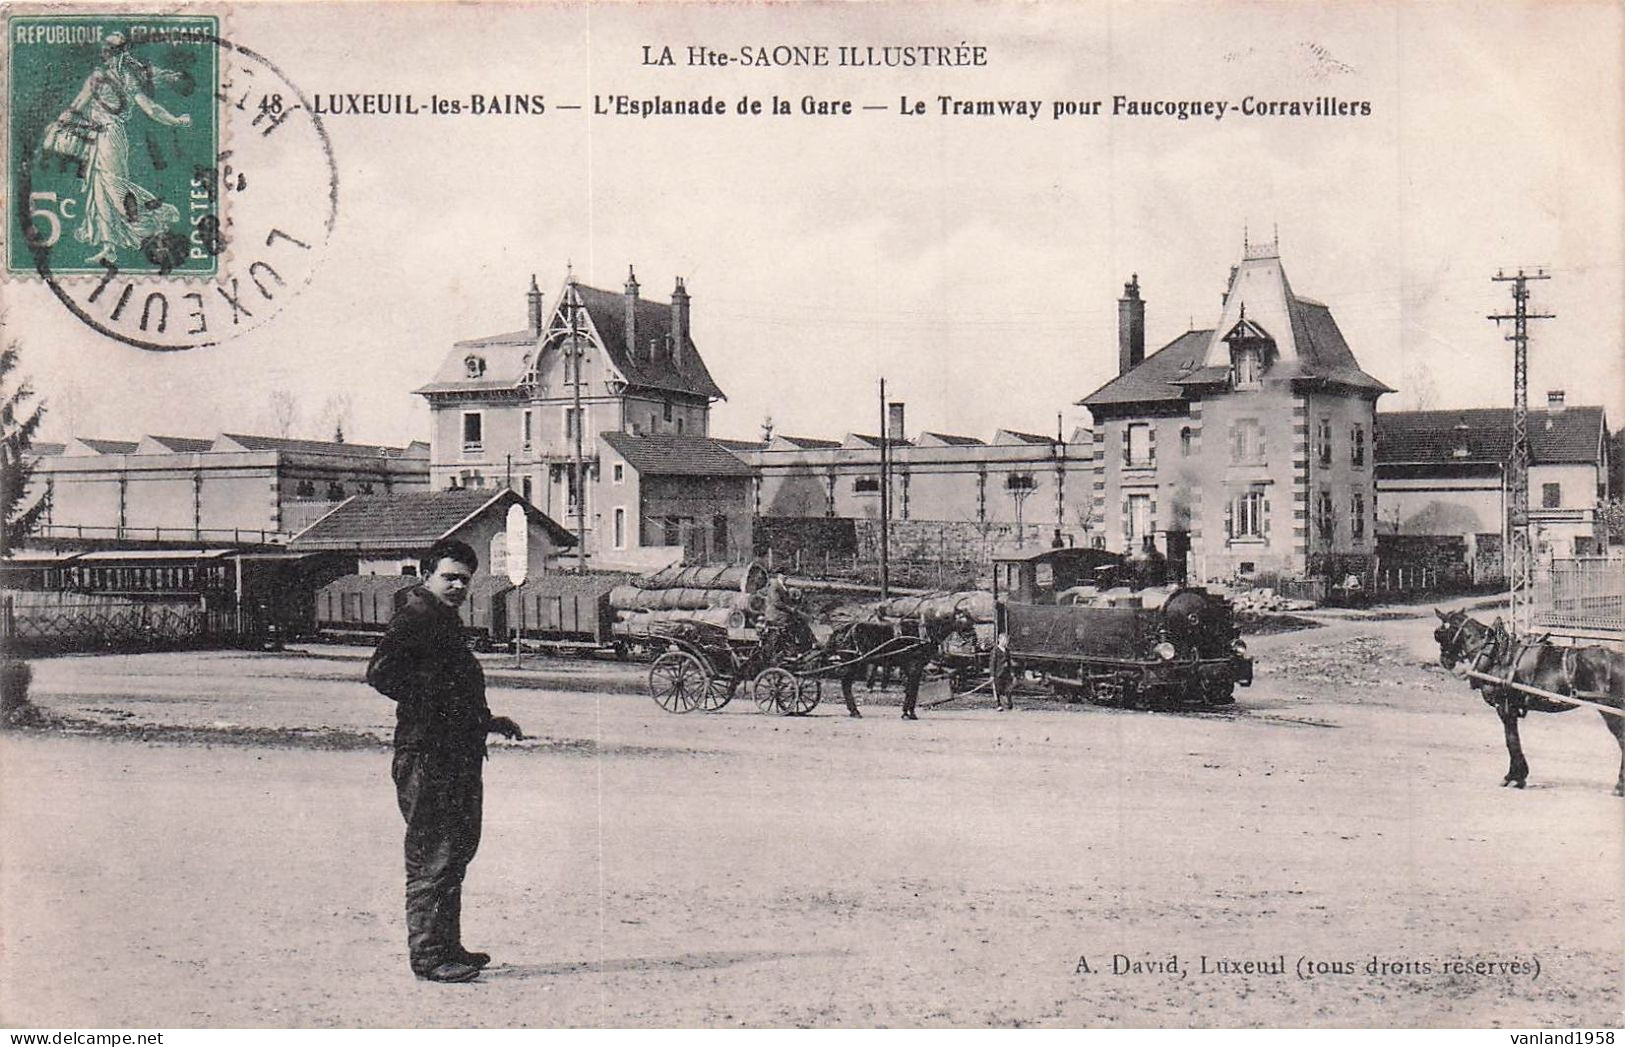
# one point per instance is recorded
(113, 144)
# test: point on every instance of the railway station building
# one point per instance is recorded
(1244, 449)
(619, 376)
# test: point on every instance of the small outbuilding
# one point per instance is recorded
(387, 533)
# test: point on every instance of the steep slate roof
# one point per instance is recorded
(412, 521)
(1308, 343)
(504, 354)
(239, 442)
(670, 454)
(1422, 437)
(1153, 379)
(608, 312)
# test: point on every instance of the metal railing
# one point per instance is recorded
(1581, 595)
(239, 535)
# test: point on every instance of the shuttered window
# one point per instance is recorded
(1247, 515)
(1139, 445)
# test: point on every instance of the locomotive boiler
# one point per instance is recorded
(1089, 625)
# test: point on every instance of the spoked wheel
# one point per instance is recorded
(804, 700)
(719, 691)
(775, 690)
(678, 682)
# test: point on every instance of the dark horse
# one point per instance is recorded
(1595, 673)
(907, 645)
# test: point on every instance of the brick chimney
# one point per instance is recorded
(1130, 327)
(679, 322)
(631, 313)
(534, 297)
(1554, 400)
(894, 422)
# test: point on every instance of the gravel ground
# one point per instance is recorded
(210, 839)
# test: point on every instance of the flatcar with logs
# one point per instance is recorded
(1093, 625)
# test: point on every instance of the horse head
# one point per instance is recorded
(1460, 637)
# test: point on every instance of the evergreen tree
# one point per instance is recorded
(19, 421)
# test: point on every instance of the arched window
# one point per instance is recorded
(1185, 441)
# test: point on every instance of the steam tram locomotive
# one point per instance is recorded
(1090, 625)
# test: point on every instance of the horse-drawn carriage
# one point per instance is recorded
(781, 665)
(1085, 623)
(705, 665)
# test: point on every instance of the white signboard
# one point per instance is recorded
(518, 544)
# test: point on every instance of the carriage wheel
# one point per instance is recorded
(775, 690)
(677, 681)
(804, 699)
(719, 691)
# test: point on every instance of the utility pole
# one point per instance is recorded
(1520, 565)
(1060, 475)
(885, 501)
(572, 307)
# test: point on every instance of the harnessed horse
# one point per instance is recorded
(1596, 672)
(905, 644)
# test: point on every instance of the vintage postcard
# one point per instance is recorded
(839, 515)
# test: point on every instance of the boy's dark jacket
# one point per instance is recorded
(437, 684)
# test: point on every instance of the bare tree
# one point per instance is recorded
(334, 417)
(285, 413)
(72, 410)
(1423, 389)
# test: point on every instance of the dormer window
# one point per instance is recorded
(1246, 369)
(474, 365)
(1250, 350)
(1461, 447)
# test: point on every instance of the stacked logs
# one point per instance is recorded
(727, 596)
(977, 604)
